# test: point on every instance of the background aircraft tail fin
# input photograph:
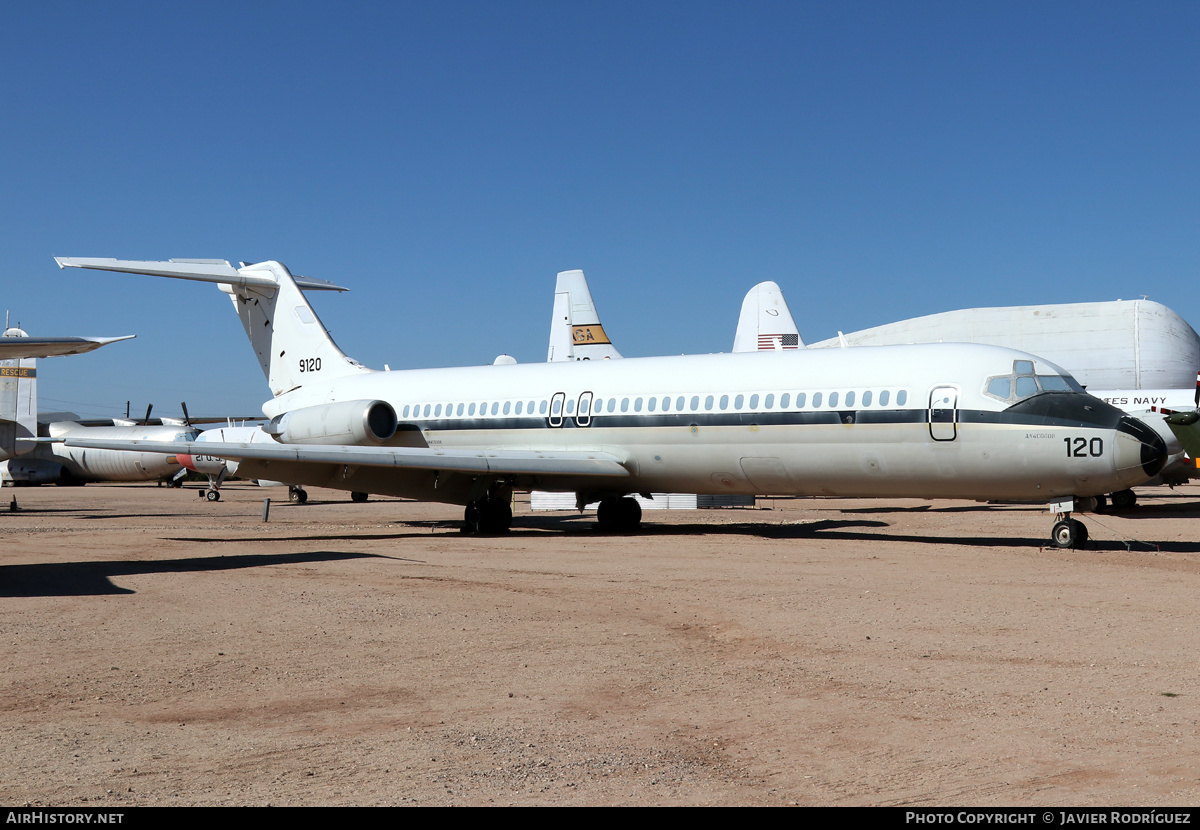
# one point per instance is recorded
(575, 330)
(766, 323)
(18, 402)
(292, 345)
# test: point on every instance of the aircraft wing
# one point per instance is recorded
(201, 270)
(524, 462)
(13, 347)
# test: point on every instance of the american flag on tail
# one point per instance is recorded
(770, 342)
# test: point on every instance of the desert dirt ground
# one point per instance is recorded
(162, 650)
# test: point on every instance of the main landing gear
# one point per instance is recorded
(297, 494)
(619, 515)
(487, 515)
(1123, 499)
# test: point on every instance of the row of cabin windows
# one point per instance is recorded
(723, 403)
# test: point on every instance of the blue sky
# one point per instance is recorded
(879, 160)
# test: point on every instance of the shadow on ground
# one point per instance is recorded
(65, 579)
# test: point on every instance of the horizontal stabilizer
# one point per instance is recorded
(507, 462)
(202, 270)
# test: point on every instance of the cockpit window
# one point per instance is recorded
(1023, 383)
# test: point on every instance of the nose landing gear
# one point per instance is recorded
(1068, 532)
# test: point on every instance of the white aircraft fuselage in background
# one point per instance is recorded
(57, 463)
(913, 421)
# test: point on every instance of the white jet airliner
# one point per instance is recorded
(930, 421)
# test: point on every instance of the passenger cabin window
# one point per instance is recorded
(666, 405)
(902, 397)
(833, 399)
(883, 397)
(708, 403)
(754, 401)
(866, 398)
(784, 400)
(507, 407)
(637, 405)
(800, 399)
(816, 399)
(724, 402)
(542, 408)
(738, 401)
(849, 399)
(695, 402)
(651, 403)
(557, 407)
(405, 415)
(769, 402)
(571, 407)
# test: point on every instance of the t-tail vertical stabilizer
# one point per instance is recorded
(575, 330)
(292, 345)
(766, 323)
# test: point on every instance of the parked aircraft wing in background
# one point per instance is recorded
(14, 346)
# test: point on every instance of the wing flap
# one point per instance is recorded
(495, 462)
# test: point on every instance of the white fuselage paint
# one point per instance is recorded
(751, 450)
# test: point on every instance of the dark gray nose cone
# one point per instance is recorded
(1154, 449)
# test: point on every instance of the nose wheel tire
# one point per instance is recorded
(297, 495)
(1069, 533)
(213, 495)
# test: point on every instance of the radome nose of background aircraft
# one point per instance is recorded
(1141, 452)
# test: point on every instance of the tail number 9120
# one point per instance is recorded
(1083, 448)
(310, 364)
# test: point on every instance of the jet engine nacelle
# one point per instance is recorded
(350, 422)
